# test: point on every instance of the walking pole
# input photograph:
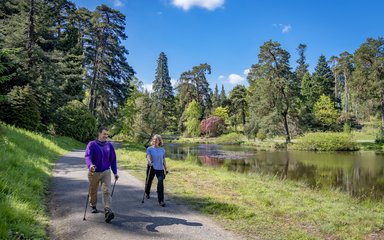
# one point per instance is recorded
(146, 183)
(86, 204)
(113, 189)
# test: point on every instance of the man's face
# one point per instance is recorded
(103, 136)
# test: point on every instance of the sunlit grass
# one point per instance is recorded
(25, 167)
(261, 206)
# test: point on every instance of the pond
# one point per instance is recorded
(360, 174)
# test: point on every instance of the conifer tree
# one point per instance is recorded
(162, 95)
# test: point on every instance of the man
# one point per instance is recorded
(100, 158)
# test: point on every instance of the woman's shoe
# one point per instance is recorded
(162, 204)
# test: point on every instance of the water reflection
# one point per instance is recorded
(361, 174)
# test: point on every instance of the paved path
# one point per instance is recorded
(133, 220)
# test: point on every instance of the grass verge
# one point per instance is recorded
(261, 206)
(26, 162)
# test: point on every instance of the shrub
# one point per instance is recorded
(23, 108)
(261, 135)
(348, 118)
(231, 138)
(212, 126)
(325, 141)
(325, 112)
(347, 127)
(222, 112)
(74, 120)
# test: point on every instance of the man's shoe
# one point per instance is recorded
(109, 215)
(147, 196)
(94, 209)
(162, 204)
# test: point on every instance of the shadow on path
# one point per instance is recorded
(154, 221)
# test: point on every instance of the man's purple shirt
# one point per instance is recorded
(102, 155)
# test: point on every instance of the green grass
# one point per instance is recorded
(25, 167)
(261, 206)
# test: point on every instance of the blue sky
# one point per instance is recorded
(227, 34)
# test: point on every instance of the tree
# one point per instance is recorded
(223, 97)
(368, 78)
(212, 126)
(323, 79)
(23, 111)
(325, 112)
(162, 95)
(302, 67)
(7, 74)
(127, 114)
(146, 123)
(271, 88)
(108, 71)
(193, 113)
(215, 98)
(194, 85)
(222, 112)
(74, 120)
(239, 104)
(342, 69)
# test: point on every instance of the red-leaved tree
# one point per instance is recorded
(212, 126)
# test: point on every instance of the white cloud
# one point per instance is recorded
(246, 71)
(173, 82)
(235, 79)
(221, 77)
(159, 13)
(148, 87)
(118, 3)
(208, 4)
(286, 29)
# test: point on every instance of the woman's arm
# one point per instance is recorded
(149, 158)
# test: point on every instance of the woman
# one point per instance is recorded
(156, 166)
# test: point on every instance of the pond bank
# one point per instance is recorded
(261, 206)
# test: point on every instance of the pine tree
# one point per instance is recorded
(108, 71)
(163, 93)
(194, 85)
(273, 100)
(368, 78)
(215, 98)
(302, 67)
(323, 79)
(239, 104)
(223, 97)
(342, 69)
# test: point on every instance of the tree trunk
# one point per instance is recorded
(382, 113)
(346, 92)
(286, 128)
(31, 32)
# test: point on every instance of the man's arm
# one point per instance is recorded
(88, 157)
(113, 161)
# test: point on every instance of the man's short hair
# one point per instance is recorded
(102, 128)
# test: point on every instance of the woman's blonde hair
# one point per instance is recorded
(157, 136)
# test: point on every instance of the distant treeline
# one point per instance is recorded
(64, 70)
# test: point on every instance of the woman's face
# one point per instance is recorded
(155, 142)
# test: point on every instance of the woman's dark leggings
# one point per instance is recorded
(160, 183)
